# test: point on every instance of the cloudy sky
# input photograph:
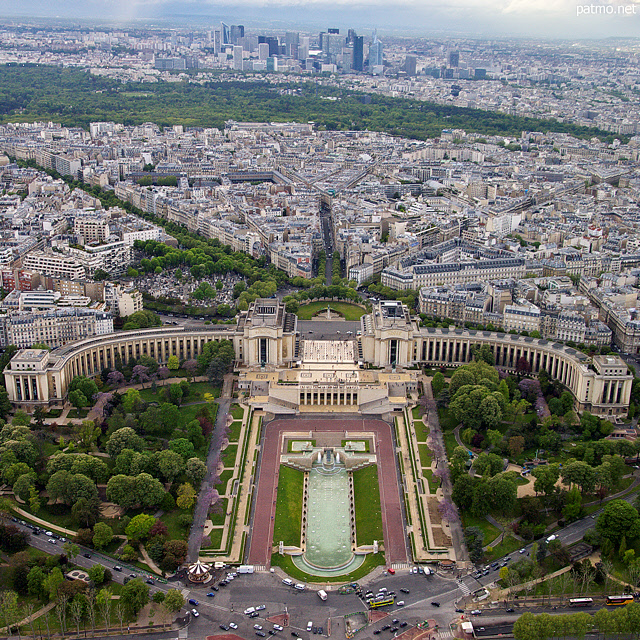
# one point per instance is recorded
(546, 18)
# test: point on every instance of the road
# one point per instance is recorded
(266, 588)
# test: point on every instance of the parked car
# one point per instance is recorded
(194, 613)
(194, 602)
(211, 594)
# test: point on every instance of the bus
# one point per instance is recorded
(376, 604)
(618, 601)
(580, 602)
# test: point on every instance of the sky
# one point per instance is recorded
(565, 19)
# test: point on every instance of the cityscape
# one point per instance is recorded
(325, 332)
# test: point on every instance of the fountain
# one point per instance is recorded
(328, 531)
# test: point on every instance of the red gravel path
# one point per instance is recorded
(262, 529)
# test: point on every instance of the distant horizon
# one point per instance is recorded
(562, 20)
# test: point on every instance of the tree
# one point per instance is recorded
(87, 435)
(139, 527)
(71, 550)
(134, 595)
(493, 437)
(463, 490)
(488, 464)
(105, 606)
(546, 477)
(516, 446)
(173, 601)
(35, 581)
(186, 496)
(474, 537)
(618, 519)
(183, 447)
(96, 574)
(132, 401)
(170, 464)
(52, 582)
(102, 535)
(196, 470)
(437, 383)
(175, 394)
(581, 474)
(78, 399)
(173, 363)
(125, 438)
(85, 385)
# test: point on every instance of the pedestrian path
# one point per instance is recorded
(401, 565)
(464, 588)
(445, 633)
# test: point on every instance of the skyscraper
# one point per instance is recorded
(226, 36)
(358, 53)
(263, 51)
(235, 33)
(410, 64)
(376, 53)
(237, 58)
(291, 38)
(454, 58)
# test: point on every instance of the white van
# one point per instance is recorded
(299, 586)
(249, 611)
(309, 625)
(288, 582)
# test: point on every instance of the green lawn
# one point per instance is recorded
(425, 455)
(290, 444)
(176, 530)
(366, 443)
(74, 413)
(367, 505)
(237, 412)
(371, 562)
(225, 476)
(218, 518)
(416, 412)
(508, 545)
(54, 413)
(490, 532)
(228, 456)
(288, 523)
(421, 430)
(234, 433)
(348, 311)
(434, 482)
(196, 392)
(450, 443)
(216, 538)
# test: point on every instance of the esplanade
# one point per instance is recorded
(285, 373)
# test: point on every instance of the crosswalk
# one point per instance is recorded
(259, 567)
(401, 565)
(445, 633)
(464, 588)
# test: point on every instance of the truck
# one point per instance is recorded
(322, 594)
(246, 568)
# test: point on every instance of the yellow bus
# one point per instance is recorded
(373, 604)
(618, 601)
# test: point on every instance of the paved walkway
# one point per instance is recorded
(44, 523)
(34, 616)
(432, 420)
(424, 540)
(202, 507)
(393, 533)
(148, 561)
(243, 496)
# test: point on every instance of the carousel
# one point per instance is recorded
(199, 572)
